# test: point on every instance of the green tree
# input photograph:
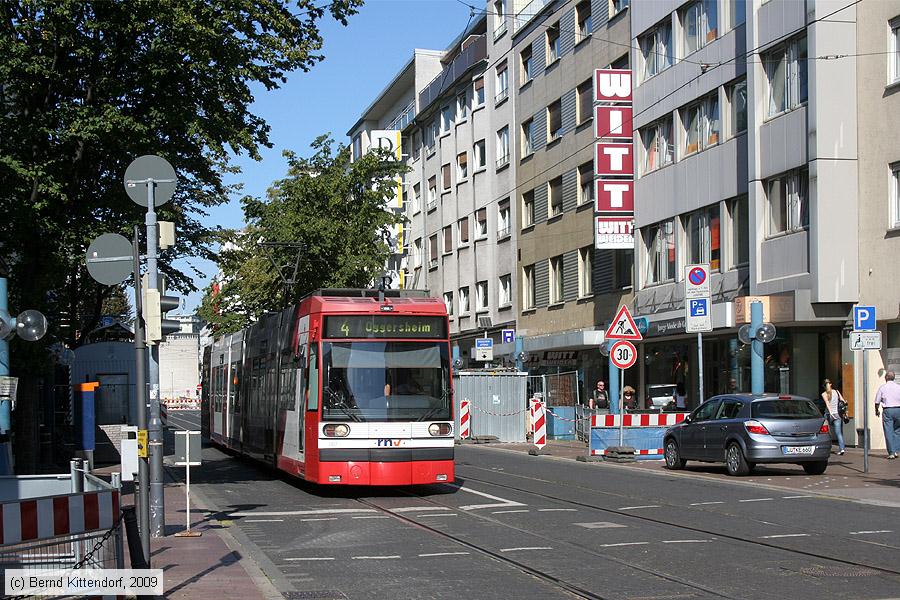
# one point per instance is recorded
(86, 86)
(335, 209)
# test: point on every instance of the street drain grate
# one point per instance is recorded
(838, 571)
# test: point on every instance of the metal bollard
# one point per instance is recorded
(76, 475)
(138, 560)
(117, 536)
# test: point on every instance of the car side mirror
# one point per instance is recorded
(688, 419)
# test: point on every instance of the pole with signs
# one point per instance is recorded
(622, 355)
(865, 337)
(698, 312)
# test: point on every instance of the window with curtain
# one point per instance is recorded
(657, 142)
(462, 107)
(448, 239)
(527, 139)
(554, 194)
(586, 183)
(660, 247)
(448, 302)
(786, 74)
(740, 231)
(701, 125)
(585, 100)
(554, 121)
(553, 43)
(656, 49)
(481, 223)
(462, 232)
(503, 147)
(432, 192)
(528, 209)
(556, 280)
(481, 296)
(501, 83)
(699, 25)
(445, 177)
(446, 119)
(584, 271)
(528, 287)
(703, 234)
(585, 22)
(464, 300)
(527, 67)
(433, 251)
(462, 166)
(480, 158)
(478, 92)
(504, 290)
(737, 101)
(503, 218)
(788, 203)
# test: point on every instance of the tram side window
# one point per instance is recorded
(235, 387)
(312, 390)
(289, 376)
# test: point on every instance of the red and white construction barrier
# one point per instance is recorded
(464, 420)
(42, 518)
(539, 423)
(647, 420)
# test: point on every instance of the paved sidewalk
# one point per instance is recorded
(844, 478)
(211, 566)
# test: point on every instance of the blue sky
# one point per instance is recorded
(360, 60)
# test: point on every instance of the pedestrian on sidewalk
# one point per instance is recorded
(833, 398)
(600, 397)
(888, 397)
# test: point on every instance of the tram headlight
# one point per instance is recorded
(336, 430)
(437, 429)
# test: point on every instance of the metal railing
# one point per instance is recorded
(473, 53)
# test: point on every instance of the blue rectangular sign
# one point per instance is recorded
(699, 307)
(484, 343)
(864, 318)
(508, 336)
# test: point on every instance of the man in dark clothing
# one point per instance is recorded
(599, 397)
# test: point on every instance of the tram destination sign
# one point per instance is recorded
(385, 326)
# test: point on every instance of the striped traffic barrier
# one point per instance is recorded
(464, 420)
(646, 420)
(44, 518)
(539, 423)
(643, 432)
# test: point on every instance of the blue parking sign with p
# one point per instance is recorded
(699, 307)
(864, 318)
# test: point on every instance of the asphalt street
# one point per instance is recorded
(518, 526)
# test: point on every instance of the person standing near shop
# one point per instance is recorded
(628, 398)
(833, 398)
(888, 397)
(600, 397)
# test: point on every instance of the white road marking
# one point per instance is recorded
(870, 532)
(557, 510)
(294, 513)
(600, 525)
(264, 521)
(784, 535)
(756, 500)
(793, 497)
(372, 517)
(501, 502)
(311, 558)
(624, 544)
(637, 507)
(407, 509)
(526, 548)
(685, 541)
(506, 512)
(443, 554)
(375, 557)
(440, 515)
(705, 503)
(319, 519)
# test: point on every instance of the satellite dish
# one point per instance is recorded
(31, 325)
(744, 334)
(766, 333)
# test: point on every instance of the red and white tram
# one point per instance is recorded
(345, 388)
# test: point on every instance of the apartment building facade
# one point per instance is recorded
(568, 291)
(460, 243)
(749, 157)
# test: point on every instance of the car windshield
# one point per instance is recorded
(661, 391)
(793, 408)
(385, 381)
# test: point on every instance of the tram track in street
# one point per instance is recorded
(668, 523)
(547, 577)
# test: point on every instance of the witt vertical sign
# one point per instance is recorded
(613, 160)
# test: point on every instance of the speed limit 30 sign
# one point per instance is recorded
(623, 354)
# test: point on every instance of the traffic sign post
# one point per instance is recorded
(622, 355)
(697, 311)
(863, 338)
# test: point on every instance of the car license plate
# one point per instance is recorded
(798, 449)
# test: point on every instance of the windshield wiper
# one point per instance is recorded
(336, 401)
(445, 395)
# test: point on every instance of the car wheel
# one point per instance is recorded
(735, 462)
(815, 468)
(673, 456)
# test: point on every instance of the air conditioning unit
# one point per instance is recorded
(484, 322)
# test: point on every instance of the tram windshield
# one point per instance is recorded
(385, 381)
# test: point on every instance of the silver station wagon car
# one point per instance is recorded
(743, 430)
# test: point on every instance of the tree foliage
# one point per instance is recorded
(334, 209)
(86, 86)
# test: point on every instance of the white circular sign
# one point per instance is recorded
(623, 354)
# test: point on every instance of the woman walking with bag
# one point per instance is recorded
(833, 400)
